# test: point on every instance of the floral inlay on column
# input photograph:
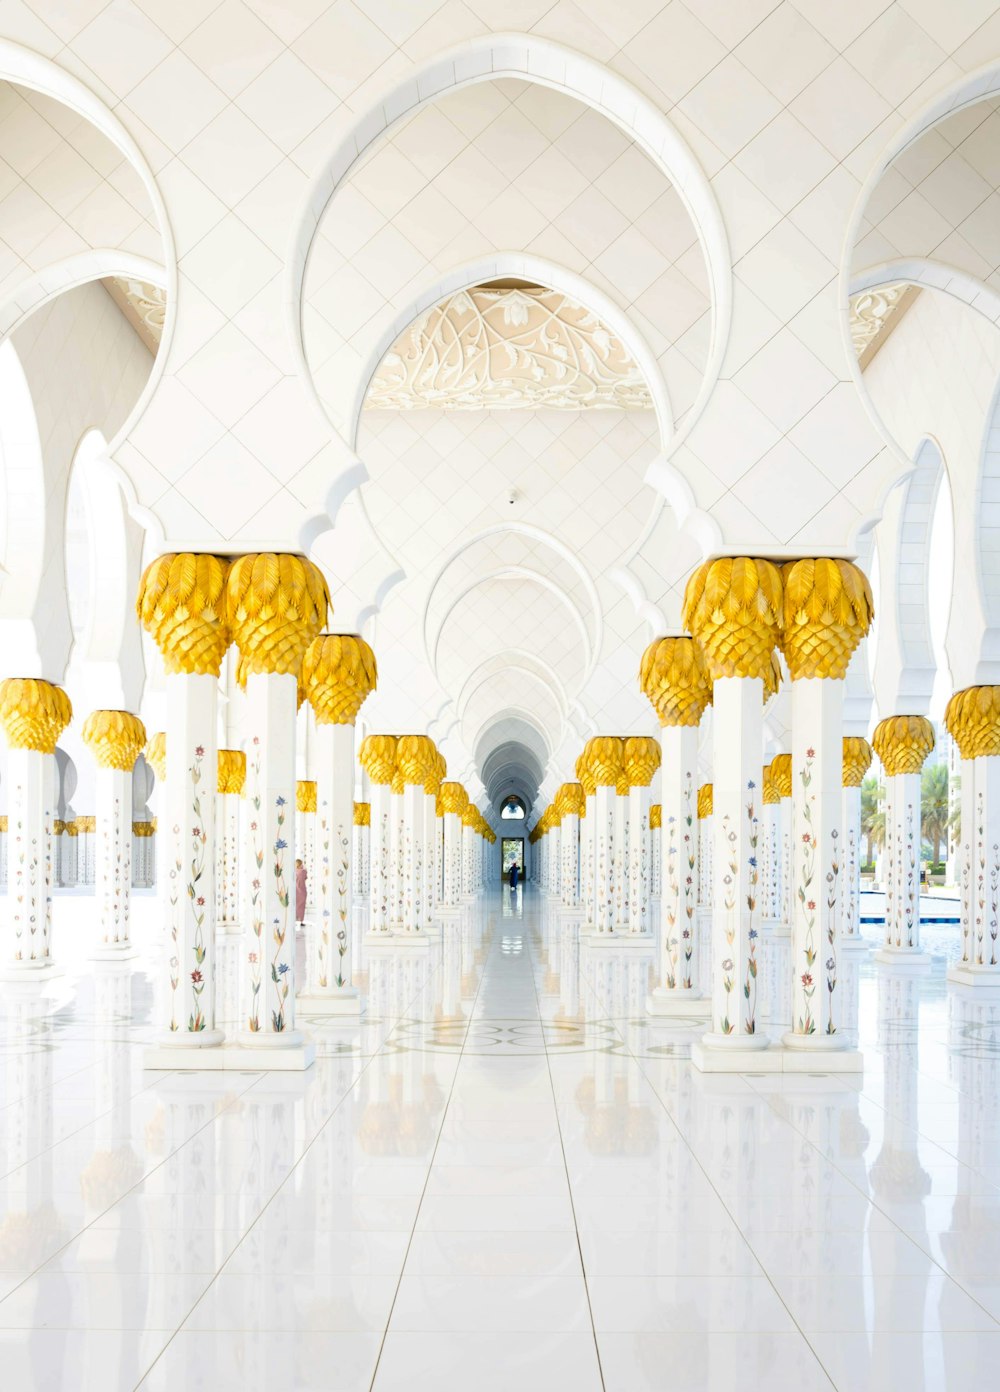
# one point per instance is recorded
(674, 677)
(181, 604)
(902, 743)
(857, 760)
(276, 604)
(734, 610)
(377, 757)
(116, 739)
(828, 610)
(972, 718)
(33, 714)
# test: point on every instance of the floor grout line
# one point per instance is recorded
(430, 1164)
(569, 1184)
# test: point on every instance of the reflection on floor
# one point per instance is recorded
(503, 1177)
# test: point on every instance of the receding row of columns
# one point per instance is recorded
(770, 850)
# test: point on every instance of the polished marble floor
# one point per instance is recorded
(504, 1177)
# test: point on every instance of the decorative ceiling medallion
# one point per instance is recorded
(874, 315)
(523, 347)
(143, 305)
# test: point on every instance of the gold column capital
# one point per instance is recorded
(604, 753)
(305, 795)
(231, 771)
(674, 678)
(572, 800)
(33, 713)
(454, 798)
(115, 738)
(339, 673)
(857, 760)
(902, 742)
(972, 718)
(769, 787)
(470, 816)
(415, 759)
(182, 606)
(377, 756)
(585, 774)
(705, 801)
(156, 754)
(781, 774)
(655, 816)
(362, 814)
(143, 830)
(276, 604)
(437, 774)
(640, 760)
(828, 610)
(733, 608)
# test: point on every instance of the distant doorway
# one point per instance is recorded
(512, 848)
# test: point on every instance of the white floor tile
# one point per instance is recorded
(488, 1363)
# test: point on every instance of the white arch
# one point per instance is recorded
(964, 91)
(522, 660)
(930, 274)
(523, 529)
(530, 576)
(27, 69)
(71, 273)
(533, 59)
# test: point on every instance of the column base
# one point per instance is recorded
(711, 1058)
(967, 974)
(232, 1057)
(570, 911)
(665, 1002)
(30, 971)
(228, 929)
(621, 938)
(855, 943)
(347, 1001)
(902, 958)
(394, 942)
(124, 952)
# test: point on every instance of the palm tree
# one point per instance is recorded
(934, 809)
(872, 815)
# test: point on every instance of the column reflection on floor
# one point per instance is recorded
(505, 1173)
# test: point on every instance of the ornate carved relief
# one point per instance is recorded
(874, 315)
(521, 347)
(143, 305)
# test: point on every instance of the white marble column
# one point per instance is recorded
(620, 858)
(276, 605)
(857, 758)
(305, 834)
(604, 755)
(817, 865)
(378, 756)
(453, 803)
(573, 803)
(733, 608)
(902, 743)
(655, 855)
(33, 714)
(415, 757)
(771, 859)
(116, 739)
(329, 988)
(232, 769)
(156, 757)
(973, 720)
(362, 850)
(469, 853)
(678, 990)
(640, 760)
